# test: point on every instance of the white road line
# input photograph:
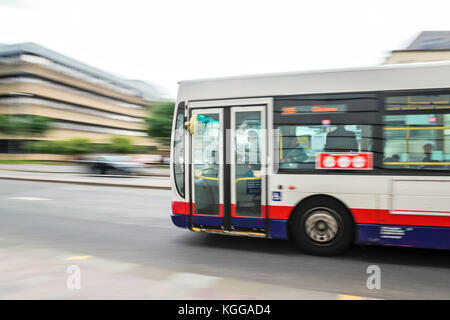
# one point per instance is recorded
(29, 198)
(193, 280)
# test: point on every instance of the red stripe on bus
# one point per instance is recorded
(441, 211)
(414, 220)
(385, 217)
(179, 207)
(280, 212)
(234, 215)
(367, 215)
(372, 216)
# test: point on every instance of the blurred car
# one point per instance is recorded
(115, 165)
(165, 160)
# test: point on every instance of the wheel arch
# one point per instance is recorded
(320, 198)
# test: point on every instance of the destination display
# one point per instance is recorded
(335, 108)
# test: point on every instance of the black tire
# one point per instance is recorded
(322, 227)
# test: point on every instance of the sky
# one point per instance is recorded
(164, 42)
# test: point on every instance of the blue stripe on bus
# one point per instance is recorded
(410, 236)
(278, 229)
(208, 221)
(180, 220)
(368, 234)
(248, 222)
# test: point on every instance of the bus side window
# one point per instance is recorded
(299, 144)
(421, 141)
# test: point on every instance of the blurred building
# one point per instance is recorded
(428, 46)
(82, 101)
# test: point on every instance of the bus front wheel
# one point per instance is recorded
(322, 227)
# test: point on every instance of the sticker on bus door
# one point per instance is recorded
(344, 160)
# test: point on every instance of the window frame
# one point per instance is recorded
(359, 117)
(415, 92)
(180, 110)
(377, 130)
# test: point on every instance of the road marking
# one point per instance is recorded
(78, 258)
(29, 198)
(349, 297)
(193, 280)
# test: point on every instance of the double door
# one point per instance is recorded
(228, 168)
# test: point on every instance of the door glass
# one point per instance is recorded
(206, 159)
(247, 178)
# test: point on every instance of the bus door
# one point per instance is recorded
(228, 180)
(248, 168)
(207, 169)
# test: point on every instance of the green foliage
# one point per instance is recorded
(72, 146)
(77, 146)
(24, 124)
(159, 123)
(121, 144)
(5, 124)
(42, 146)
(39, 124)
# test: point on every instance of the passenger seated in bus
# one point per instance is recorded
(394, 158)
(341, 140)
(428, 150)
(294, 151)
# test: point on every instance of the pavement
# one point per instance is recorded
(155, 178)
(120, 244)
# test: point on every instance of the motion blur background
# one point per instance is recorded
(83, 77)
(94, 82)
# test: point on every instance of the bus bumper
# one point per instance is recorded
(180, 220)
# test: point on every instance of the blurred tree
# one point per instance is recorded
(24, 124)
(39, 125)
(121, 144)
(43, 146)
(77, 146)
(74, 146)
(159, 123)
(6, 126)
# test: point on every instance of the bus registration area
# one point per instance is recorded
(355, 161)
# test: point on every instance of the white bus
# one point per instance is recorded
(324, 158)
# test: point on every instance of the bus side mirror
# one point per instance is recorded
(190, 125)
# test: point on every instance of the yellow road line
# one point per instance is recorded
(78, 258)
(349, 297)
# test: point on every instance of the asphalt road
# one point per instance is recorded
(124, 243)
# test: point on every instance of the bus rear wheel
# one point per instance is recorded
(322, 227)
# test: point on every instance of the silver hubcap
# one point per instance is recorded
(321, 226)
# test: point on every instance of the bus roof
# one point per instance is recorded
(429, 75)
